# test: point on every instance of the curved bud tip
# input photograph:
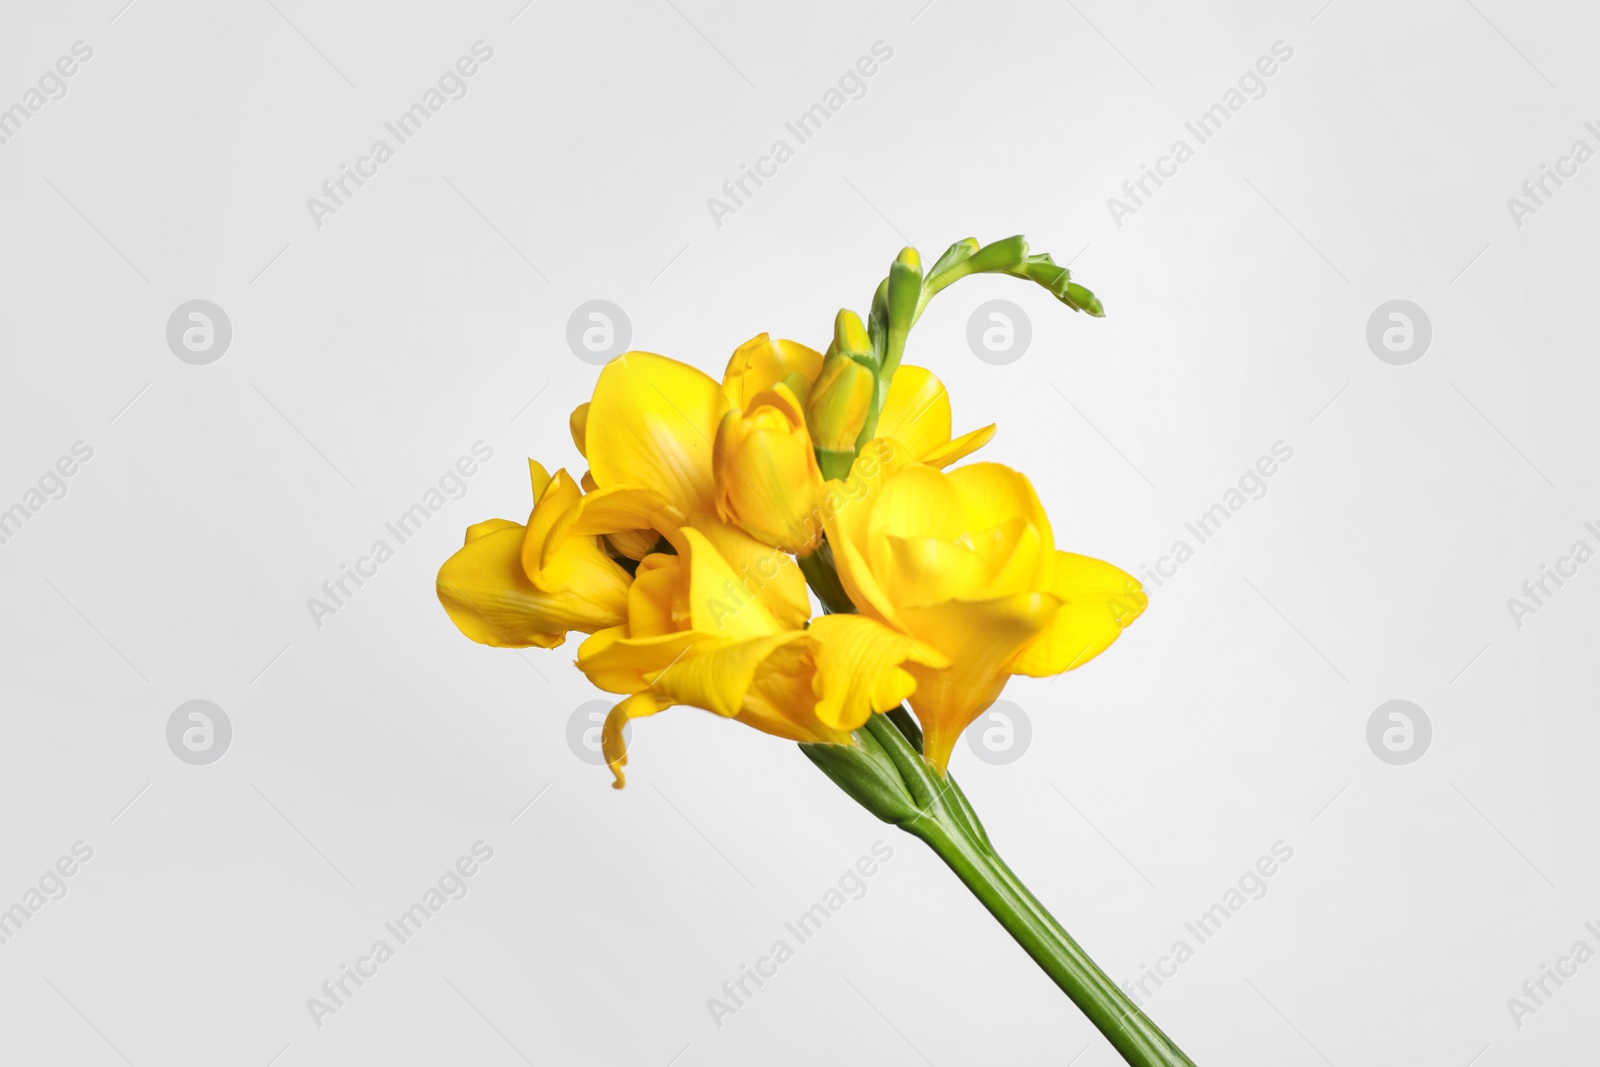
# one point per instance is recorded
(1083, 299)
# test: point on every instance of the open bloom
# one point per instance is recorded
(760, 363)
(674, 551)
(766, 472)
(696, 634)
(764, 464)
(668, 446)
(649, 436)
(514, 586)
(965, 563)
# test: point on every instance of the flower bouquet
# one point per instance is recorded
(709, 508)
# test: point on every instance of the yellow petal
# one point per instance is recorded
(617, 663)
(578, 424)
(859, 668)
(624, 508)
(539, 476)
(980, 638)
(720, 601)
(847, 517)
(559, 494)
(992, 494)
(960, 448)
(916, 411)
(768, 574)
(914, 540)
(627, 516)
(781, 700)
(767, 477)
(490, 599)
(634, 544)
(1014, 555)
(653, 608)
(612, 744)
(920, 502)
(764, 683)
(926, 570)
(995, 496)
(1098, 602)
(760, 363)
(488, 526)
(651, 423)
(717, 674)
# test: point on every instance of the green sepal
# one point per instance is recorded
(835, 465)
(867, 774)
(956, 253)
(999, 257)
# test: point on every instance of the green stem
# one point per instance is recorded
(823, 577)
(1135, 1037)
(887, 775)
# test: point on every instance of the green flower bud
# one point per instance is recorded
(902, 299)
(837, 410)
(850, 337)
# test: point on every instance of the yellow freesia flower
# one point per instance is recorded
(514, 586)
(965, 563)
(695, 634)
(739, 453)
(766, 472)
(649, 434)
(760, 363)
(686, 549)
(764, 461)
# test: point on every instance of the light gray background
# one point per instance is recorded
(430, 313)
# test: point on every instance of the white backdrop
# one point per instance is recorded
(377, 340)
